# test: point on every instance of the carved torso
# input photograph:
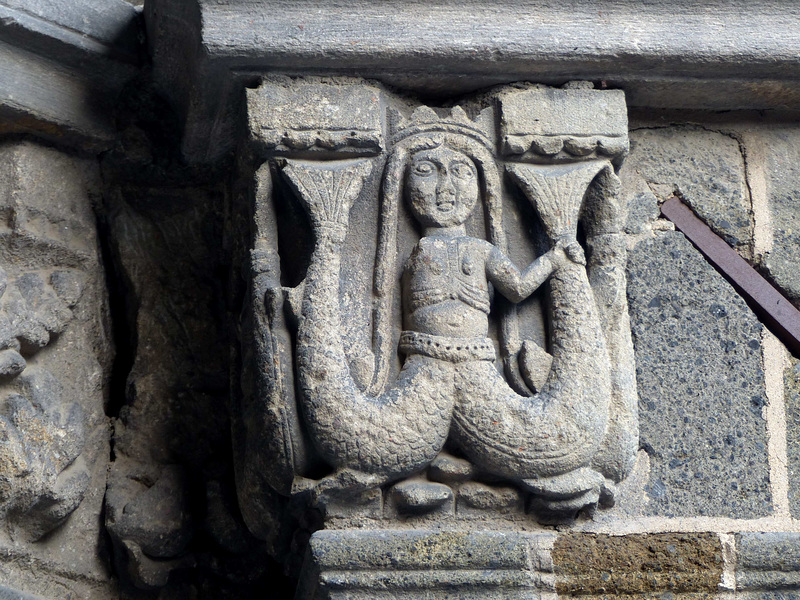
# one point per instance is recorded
(447, 291)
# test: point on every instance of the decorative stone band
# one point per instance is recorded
(446, 348)
(769, 561)
(390, 564)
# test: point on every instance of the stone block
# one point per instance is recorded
(705, 167)
(56, 352)
(791, 381)
(701, 385)
(322, 116)
(782, 262)
(451, 565)
(563, 123)
(768, 561)
(63, 65)
(637, 565)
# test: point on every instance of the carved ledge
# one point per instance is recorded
(663, 55)
(63, 66)
(383, 388)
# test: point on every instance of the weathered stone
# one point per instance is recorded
(172, 444)
(415, 496)
(203, 52)
(10, 594)
(705, 167)
(345, 412)
(768, 561)
(642, 203)
(782, 261)
(190, 250)
(318, 117)
(497, 499)
(637, 565)
(563, 123)
(701, 385)
(450, 469)
(56, 361)
(791, 380)
(55, 56)
(764, 595)
(422, 563)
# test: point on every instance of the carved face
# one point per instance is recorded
(442, 187)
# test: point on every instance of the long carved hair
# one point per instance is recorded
(392, 195)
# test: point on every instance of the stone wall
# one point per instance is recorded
(129, 264)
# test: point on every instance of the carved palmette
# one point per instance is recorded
(324, 413)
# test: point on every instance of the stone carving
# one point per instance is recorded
(55, 365)
(42, 477)
(557, 424)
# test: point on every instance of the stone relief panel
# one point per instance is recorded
(437, 326)
(55, 355)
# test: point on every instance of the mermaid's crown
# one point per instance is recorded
(424, 120)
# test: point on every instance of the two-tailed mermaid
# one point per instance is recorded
(449, 386)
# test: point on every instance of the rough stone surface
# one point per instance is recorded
(63, 65)
(443, 52)
(170, 505)
(768, 561)
(188, 514)
(705, 167)
(340, 419)
(440, 565)
(549, 124)
(782, 262)
(56, 352)
(701, 385)
(792, 398)
(637, 565)
(10, 594)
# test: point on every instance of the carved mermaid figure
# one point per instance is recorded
(449, 385)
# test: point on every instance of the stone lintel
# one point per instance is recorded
(62, 66)
(666, 55)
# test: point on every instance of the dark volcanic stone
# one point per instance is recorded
(792, 397)
(769, 561)
(701, 385)
(783, 189)
(706, 167)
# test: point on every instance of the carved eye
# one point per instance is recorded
(461, 170)
(424, 168)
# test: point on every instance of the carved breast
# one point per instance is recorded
(447, 270)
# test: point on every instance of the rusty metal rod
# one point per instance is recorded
(775, 311)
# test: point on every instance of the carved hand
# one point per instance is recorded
(562, 255)
(575, 253)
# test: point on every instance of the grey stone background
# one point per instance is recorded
(716, 491)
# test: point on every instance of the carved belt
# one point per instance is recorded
(447, 348)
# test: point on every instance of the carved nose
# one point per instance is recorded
(446, 186)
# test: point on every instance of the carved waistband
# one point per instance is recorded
(447, 348)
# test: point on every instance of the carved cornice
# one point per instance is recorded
(723, 55)
(62, 67)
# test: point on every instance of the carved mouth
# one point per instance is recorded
(445, 205)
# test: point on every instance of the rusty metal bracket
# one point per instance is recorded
(775, 311)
